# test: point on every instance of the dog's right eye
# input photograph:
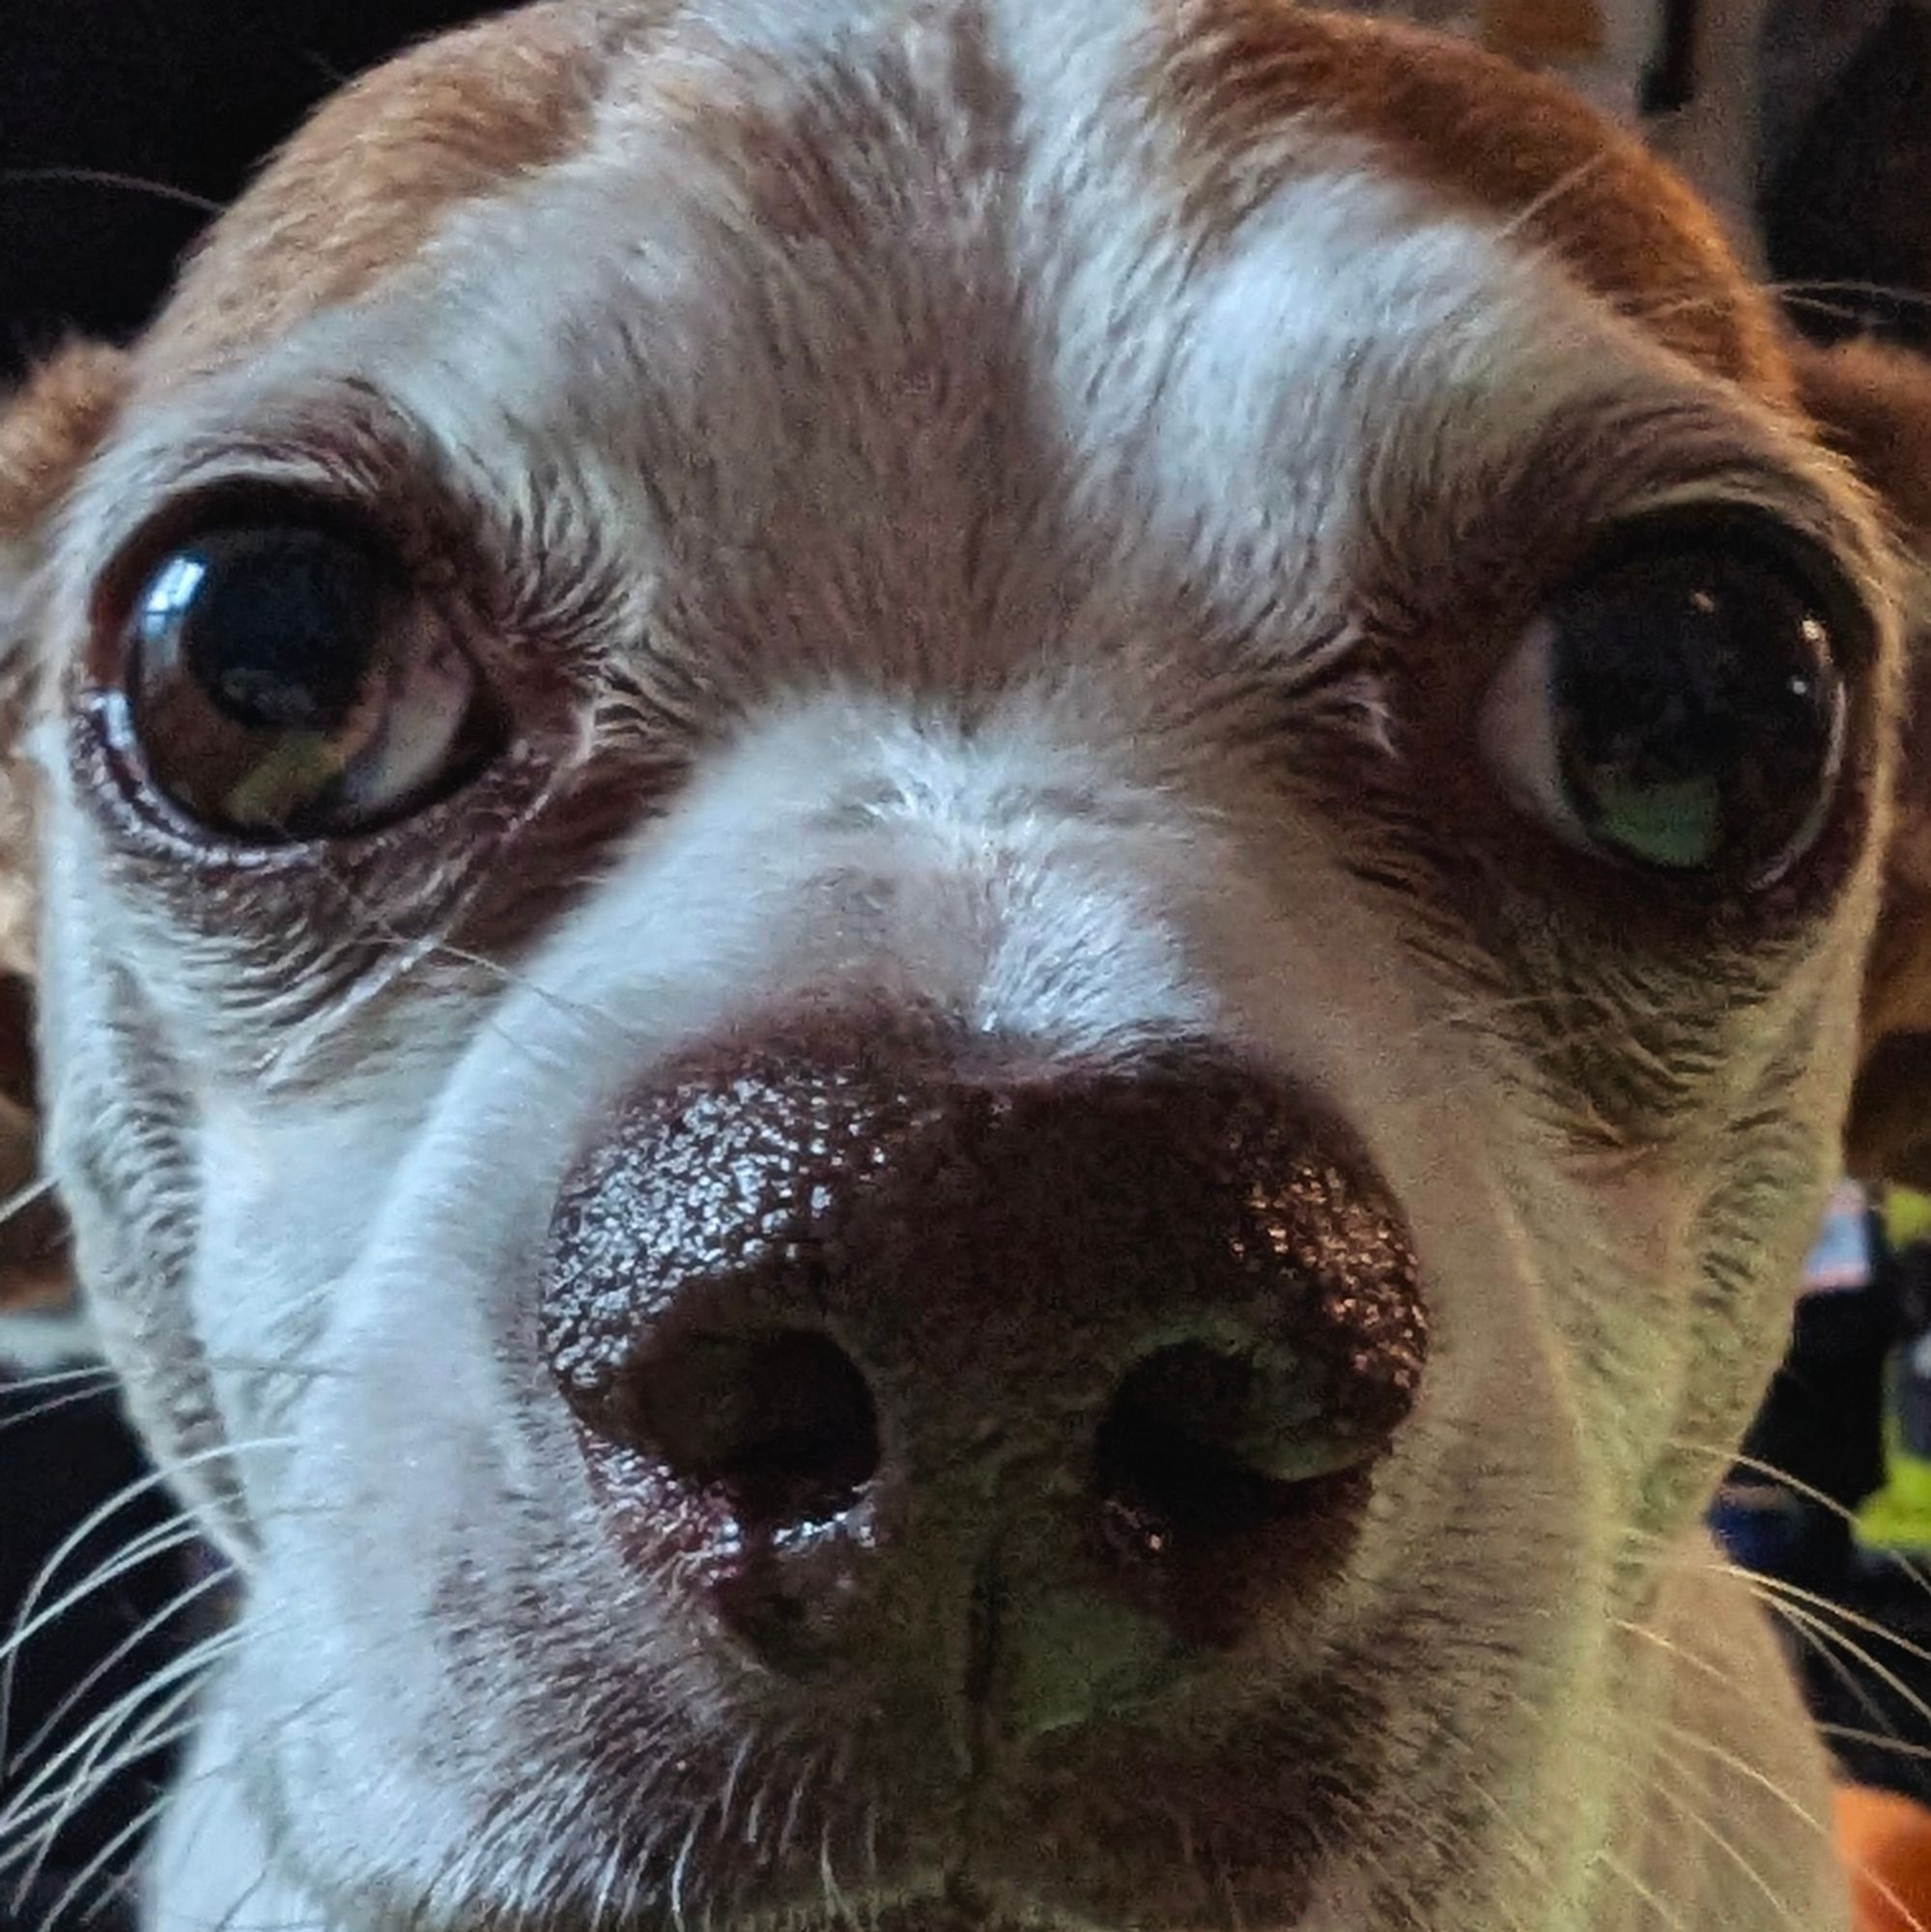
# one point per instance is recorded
(284, 682)
(1680, 705)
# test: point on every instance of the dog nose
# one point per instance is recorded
(823, 1304)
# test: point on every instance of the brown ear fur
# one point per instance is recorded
(1874, 406)
(47, 431)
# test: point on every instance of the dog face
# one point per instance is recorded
(952, 919)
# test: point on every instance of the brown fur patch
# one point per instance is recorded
(48, 430)
(1245, 81)
(1874, 406)
(362, 187)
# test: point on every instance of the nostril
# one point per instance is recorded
(1199, 1445)
(780, 1423)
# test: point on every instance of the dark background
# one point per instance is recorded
(186, 95)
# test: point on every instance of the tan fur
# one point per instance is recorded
(46, 433)
(48, 430)
(380, 165)
(1238, 73)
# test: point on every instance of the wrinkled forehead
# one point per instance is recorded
(781, 270)
(1196, 110)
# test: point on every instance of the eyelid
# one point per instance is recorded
(1799, 534)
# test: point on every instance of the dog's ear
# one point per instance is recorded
(48, 430)
(1873, 404)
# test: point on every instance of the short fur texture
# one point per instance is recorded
(1005, 508)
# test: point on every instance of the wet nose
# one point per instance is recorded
(805, 1297)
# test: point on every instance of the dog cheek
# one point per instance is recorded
(119, 1145)
(1767, 1207)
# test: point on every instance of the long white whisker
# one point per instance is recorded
(149, 1626)
(58, 1378)
(176, 1533)
(28, 1620)
(29, 1192)
(98, 1864)
(63, 1780)
(53, 1404)
(153, 1731)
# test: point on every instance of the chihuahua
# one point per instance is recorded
(950, 916)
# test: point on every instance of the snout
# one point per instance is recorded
(868, 1320)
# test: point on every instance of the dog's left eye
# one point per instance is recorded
(1678, 706)
(284, 684)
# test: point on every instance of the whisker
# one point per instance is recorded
(177, 1533)
(30, 1194)
(836, 1904)
(1730, 1457)
(1702, 1666)
(1832, 1638)
(1886, 1741)
(30, 1619)
(54, 1378)
(1751, 1773)
(139, 1733)
(1853, 1684)
(1851, 285)
(98, 1865)
(1645, 1891)
(149, 1626)
(113, 178)
(1762, 1583)
(1706, 1828)
(1788, 1592)
(64, 1778)
(150, 1743)
(1540, 204)
(72, 1398)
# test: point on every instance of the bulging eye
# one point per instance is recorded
(1678, 706)
(284, 683)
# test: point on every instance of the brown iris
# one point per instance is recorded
(286, 683)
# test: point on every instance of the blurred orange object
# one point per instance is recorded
(1886, 1842)
(1543, 29)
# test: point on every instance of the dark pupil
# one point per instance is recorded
(274, 626)
(1695, 708)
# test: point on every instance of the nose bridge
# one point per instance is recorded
(1026, 885)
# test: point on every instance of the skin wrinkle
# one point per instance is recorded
(1007, 510)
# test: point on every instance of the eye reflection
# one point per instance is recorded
(173, 589)
(287, 683)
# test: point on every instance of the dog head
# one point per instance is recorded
(952, 920)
